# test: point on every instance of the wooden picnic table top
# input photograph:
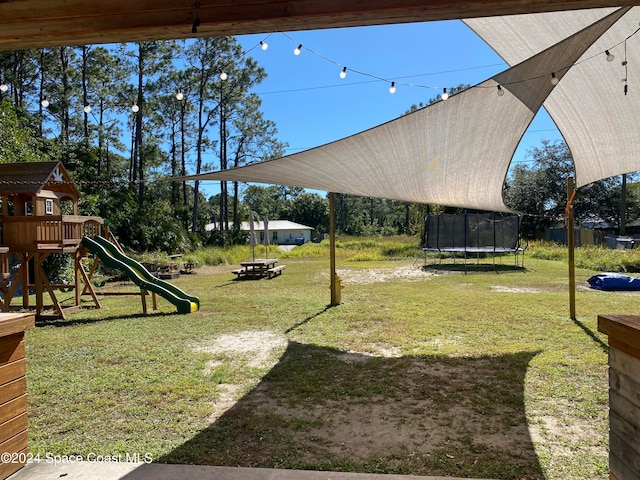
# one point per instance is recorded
(259, 262)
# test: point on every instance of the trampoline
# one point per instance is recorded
(474, 234)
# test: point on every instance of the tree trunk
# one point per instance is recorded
(182, 158)
(236, 222)
(85, 99)
(64, 64)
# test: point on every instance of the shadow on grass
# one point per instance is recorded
(324, 409)
(471, 267)
(308, 319)
(591, 334)
(76, 320)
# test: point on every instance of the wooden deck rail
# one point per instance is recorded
(50, 230)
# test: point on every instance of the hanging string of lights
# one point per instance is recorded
(393, 83)
(608, 56)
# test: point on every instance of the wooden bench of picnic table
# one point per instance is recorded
(272, 272)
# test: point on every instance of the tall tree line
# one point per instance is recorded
(122, 116)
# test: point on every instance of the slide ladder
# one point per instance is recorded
(138, 274)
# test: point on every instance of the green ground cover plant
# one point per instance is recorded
(418, 371)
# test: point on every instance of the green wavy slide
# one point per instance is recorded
(114, 258)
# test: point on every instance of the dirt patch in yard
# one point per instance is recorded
(374, 275)
(321, 408)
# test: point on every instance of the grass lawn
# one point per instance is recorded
(480, 375)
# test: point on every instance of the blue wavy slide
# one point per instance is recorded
(136, 272)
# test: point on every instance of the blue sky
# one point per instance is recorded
(311, 105)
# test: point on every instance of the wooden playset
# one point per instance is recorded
(40, 218)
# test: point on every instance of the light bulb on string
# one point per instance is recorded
(264, 45)
(134, 107)
(609, 55)
(3, 87)
(223, 75)
(392, 88)
(87, 108)
(444, 95)
(343, 73)
(44, 102)
(554, 79)
(500, 91)
(196, 24)
(179, 96)
(298, 50)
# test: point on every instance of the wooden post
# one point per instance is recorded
(623, 205)
(571, 245)
(335, 286)
(24, 267)
(37, 273)
(76, 275)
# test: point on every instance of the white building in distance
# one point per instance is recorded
(281, 232)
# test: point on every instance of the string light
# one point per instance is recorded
(87, 107)
(196, 24)
(554, 79)
(343, 73)
(4, 87)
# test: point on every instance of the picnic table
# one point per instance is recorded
(260, 267)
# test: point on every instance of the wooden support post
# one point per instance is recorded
(44, 282)
(88, 287)
(76, 275)
(571, 245)
(24, 267)
(143, 297)
(335, 284)
(38, 274)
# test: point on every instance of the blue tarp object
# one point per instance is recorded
(614, 281)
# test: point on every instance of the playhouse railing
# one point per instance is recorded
(49, 231)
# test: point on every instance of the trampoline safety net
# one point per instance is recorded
(472, 233)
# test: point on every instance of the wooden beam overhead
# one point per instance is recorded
(49, 23)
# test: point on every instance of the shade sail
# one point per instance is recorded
(597, 120)
(455, 152)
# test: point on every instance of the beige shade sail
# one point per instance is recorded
(597, 120)
(455, 152)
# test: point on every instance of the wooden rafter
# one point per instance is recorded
(48, 23)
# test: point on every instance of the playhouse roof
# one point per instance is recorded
(34, 177)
